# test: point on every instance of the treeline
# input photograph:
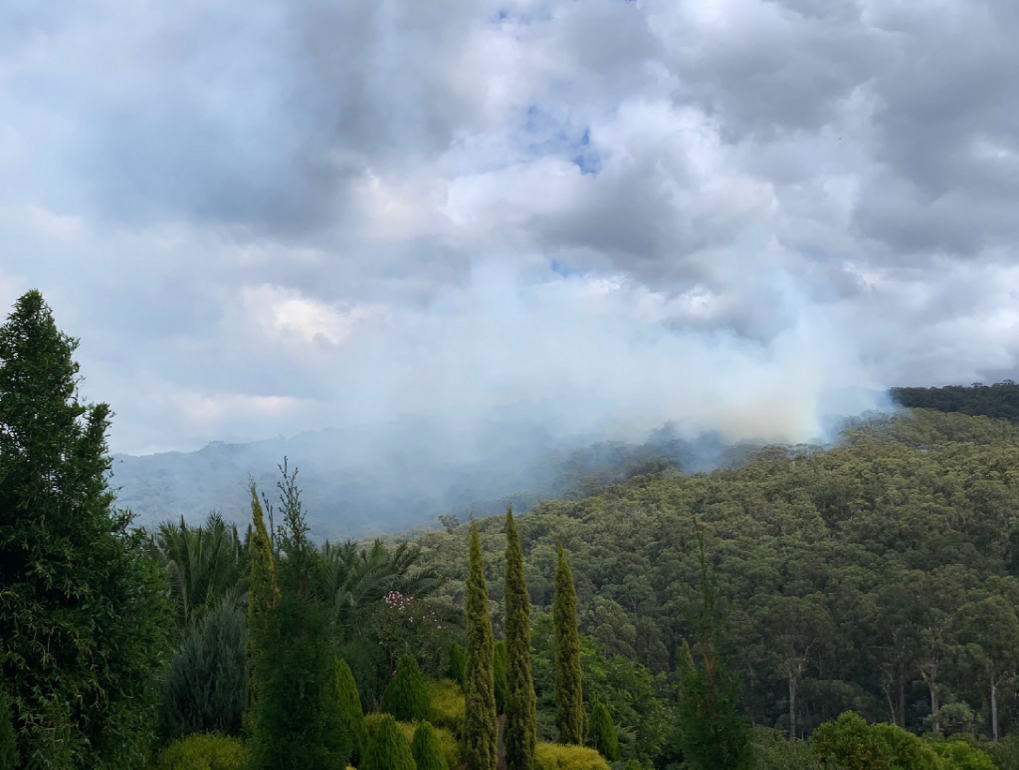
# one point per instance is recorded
(1000, 400)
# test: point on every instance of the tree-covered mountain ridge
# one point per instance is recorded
(867, 577)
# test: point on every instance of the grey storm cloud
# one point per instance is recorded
(272, 217)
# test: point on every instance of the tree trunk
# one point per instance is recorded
(792, 707)
(994, 708)
(902, 702)
(935, 706)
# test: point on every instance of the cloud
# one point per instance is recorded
(266, 219)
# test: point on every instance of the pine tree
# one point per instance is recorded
(457, 661)
(297, 722)
(388, 750)
(601, 733)
(426, 749)
(500, 675)
(569, 694)
(405, 697)
(83, 617)
(521, 719)
(8, 736)
(353, 714)
(480, 726)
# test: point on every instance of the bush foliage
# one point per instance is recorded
(405, 697)
(555, 756)
(203, 751)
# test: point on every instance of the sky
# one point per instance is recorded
(738, 215)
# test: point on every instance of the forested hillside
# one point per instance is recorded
(880, 576)
(1000, 400)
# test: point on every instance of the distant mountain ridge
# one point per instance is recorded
(357, 483)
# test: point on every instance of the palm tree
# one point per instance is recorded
(203, 564)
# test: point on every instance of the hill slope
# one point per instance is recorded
(848, 571)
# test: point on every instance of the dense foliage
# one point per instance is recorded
(203, 752)
(426, 749)
(351, 711)
(1000, 400)
(601, 733)
(844, 574)
(83, 620)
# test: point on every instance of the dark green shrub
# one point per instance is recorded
(352, 713)
(427, 751)
(8, 736)
(601, 733)
(958, 755)
(774, 751)
(203, 752)
(554, 756)
(457, 661)
(204, 690)
(388, 749)
(405, 697)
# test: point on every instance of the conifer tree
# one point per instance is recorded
(426, 749)
(353, 713)
(499, 673)
(405, 697)
(8, 737)
(480, 726)
(457, 661)
(388, 750)
(84, 620)
(569, 694)
(298, 722)
(521, 719)
(601, 733)
(263, 594)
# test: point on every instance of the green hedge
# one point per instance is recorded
(203, 751)
(448, 742)
(552, 756)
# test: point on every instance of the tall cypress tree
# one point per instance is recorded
(521, 719)
(481, 731)
(263, 594)
(569, 693)
(83, 616)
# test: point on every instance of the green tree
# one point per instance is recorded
(601, 733)
(848, 743)
(426, 749)
(353, 714)
(405, 697)
(480, 726)
(298, 720)
(521, 718)
(204, 564)
(388, 749)
(83, 617)
(8, 737)
(714, 735)
(990, 631)
(205, 689)
(569, 693)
